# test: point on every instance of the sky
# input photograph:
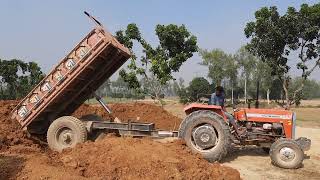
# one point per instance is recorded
(45, 31)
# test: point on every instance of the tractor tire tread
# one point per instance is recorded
(214, 116)
(274, 149)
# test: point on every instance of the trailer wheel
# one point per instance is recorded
(206, 133)
(65, 132)
(286, 153)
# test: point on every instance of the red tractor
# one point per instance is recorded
(206, 131)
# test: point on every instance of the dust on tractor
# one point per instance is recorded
(47, 109)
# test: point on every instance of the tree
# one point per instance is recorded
(310, 89)
(276, 91)
(197, 87)
(18, 78)
(231, 72)
(247, 63)
(263, 75)
(276, 39)
(176, 45)
(253, 71)
(222, 67)
(104, 89)
(215, 61)
(181, 90)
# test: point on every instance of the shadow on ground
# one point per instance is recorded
(237, 151)
(10, 166)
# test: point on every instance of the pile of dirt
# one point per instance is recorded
(132, 158)
(11, 133)
(108, 158)
(138, 112)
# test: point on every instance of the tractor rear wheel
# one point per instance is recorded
(65, 132)
(206, 133)
(286, 153)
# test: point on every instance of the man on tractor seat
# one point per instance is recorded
(217, 98)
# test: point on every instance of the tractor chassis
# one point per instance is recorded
(135, 129)
(130, 128)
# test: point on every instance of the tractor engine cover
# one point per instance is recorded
(276, 119)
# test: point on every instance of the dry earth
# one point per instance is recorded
(22, 158)
(253, 163)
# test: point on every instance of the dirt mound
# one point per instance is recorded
(10, 166)
(109, 158)
(10, 132)
(139, 112)
(86, 109)
(131, 158)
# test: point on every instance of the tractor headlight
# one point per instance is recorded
(294, 118)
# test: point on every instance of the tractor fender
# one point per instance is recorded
(190, 117)
(196, 107)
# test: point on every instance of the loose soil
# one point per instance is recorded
(137, 112)
(10, 132)
(22, 157)
(132, 158)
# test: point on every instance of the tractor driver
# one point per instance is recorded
(217, 98)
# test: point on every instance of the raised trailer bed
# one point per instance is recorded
(48, 106)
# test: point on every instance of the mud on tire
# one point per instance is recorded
(65, 132)
(286, 153)
(207, 118)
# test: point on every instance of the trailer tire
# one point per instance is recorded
(216, 142)
(286, 153)
(65, 132)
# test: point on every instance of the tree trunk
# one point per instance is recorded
(257, 95)
(1, 91)
(268, 96)
(286, 93)
(232, 95)
(245, 90)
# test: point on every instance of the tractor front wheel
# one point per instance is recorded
(206, 133)
(286, 153)
(65, 132)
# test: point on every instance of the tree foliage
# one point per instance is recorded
(198, 87)
(17, 78)
(176, 46)
(278, 38)
(253, 70)
(220, 65)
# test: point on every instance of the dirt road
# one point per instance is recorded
(254, 163)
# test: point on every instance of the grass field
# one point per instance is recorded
(308, 117)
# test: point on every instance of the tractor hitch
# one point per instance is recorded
(304, 143)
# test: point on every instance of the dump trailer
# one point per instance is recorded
(48, 106)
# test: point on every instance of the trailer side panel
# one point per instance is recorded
(72, 81)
